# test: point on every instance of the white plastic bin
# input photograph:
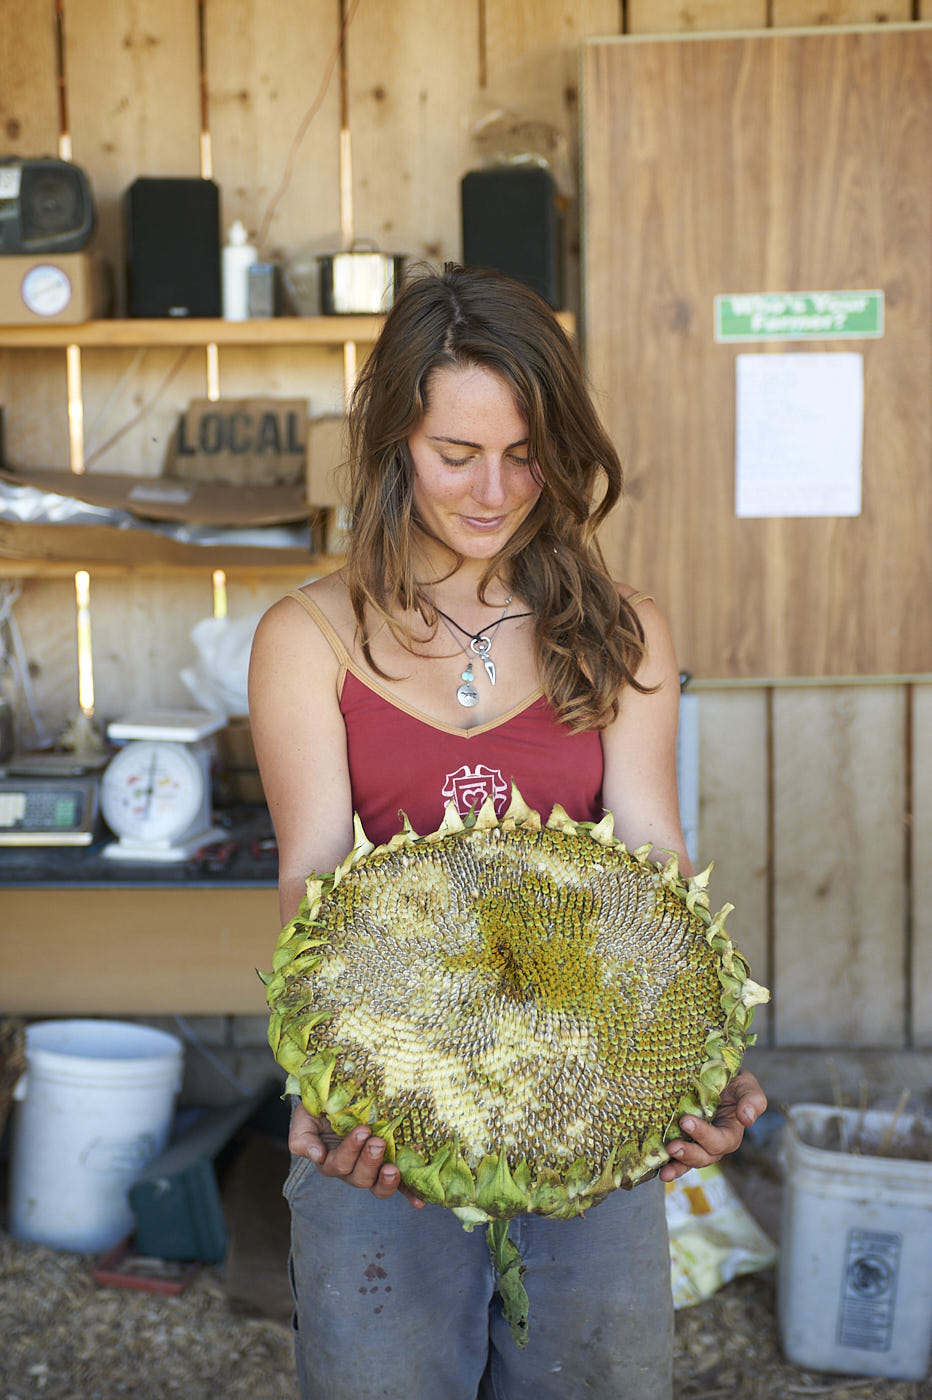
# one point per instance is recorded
(855, 1282)
(95, 1106)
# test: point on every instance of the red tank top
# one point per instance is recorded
(401, 761)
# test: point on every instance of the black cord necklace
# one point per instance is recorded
(480, 644)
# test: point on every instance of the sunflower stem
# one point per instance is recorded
(507, 1260)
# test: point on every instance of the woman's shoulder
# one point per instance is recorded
(307, 622)
(658, 638)
(641, 599)
(326, 600)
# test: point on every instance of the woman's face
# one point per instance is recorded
(473, 483)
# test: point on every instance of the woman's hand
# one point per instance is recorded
(742, 1103)
(357, 1159)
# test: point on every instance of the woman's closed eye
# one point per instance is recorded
(464, 461)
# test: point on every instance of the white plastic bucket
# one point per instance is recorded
(95, 1107)
(855, 1285)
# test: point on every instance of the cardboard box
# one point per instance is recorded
(327, 453)
(36, 288)
(240, 442)
(236, 768)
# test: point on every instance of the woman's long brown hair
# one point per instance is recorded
(588, 640)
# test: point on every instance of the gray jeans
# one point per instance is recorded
(397, 1304)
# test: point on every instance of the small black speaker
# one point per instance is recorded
(46, 206)
(511, 222)
(173, 247)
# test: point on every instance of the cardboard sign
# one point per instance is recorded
(327, 451)
(240, 442)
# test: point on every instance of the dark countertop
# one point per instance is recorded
(246, 856)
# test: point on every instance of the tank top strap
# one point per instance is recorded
(325, 626)
(635, 599)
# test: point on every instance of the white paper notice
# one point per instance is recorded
(799, 423)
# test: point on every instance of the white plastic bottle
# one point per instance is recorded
(238, 257)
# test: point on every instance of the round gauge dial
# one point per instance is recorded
(152, 791)
(46, 290)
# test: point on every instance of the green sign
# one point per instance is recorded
(799, 316)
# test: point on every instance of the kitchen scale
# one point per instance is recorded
(155, 792)
(50, 799)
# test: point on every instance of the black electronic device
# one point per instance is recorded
(46, 206)
(173, 247)
(512, 223)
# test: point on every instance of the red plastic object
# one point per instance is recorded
(121, 1267)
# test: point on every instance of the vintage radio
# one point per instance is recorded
(46, 206)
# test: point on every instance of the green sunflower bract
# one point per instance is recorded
(523, 1011)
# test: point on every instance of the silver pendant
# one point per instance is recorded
(482, 646)
(467, 695)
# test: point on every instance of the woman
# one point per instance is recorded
(473, 638)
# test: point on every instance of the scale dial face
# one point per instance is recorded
(152, 791)
(46, 290)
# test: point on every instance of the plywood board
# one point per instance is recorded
(700, 16)
(29, 116)
(839, 841)
(31, 387)
(770, 163)
(132, 400)
(921, 837)
(311, 373)
(143, 116)
(274, 116)
(412, 69)
(528, 100)
(804, 12)
(734, 821)
(137, 951)
(34, 395)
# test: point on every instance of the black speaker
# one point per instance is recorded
(173, 247)
(46, 206)
(511, 222)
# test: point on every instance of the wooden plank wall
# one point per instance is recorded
(764, 162)
(816, 800)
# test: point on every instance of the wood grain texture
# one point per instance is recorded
(413, 72)
(697, 16)
(751, 164)
(806, 12)
(921, 835)
(733, 821)
(29, 121)
(33, 394)
(132, 401)
(118, 952)
(839, 841)
(144, 117)
(122, 129)
(268, 62)
(529, 99)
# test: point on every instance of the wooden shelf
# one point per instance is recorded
(277, 330)
(56, 551)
